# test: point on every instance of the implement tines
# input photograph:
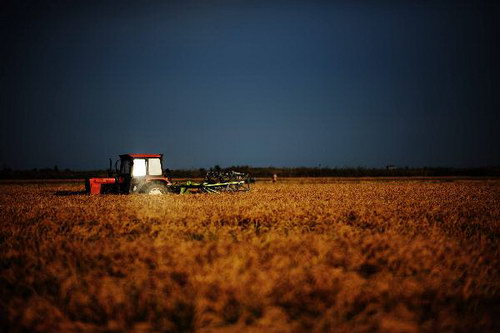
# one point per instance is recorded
(226, 181)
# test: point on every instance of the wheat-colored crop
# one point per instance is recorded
(296, 256)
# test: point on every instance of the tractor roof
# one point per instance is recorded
(131, 156)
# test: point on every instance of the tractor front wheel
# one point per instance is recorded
(155, 189)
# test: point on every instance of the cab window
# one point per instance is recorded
(139, 168)
(154, 167)
(125, 167)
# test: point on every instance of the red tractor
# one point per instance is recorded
(143, 173)
(137, 173)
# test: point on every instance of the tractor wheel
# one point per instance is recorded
(155, 189)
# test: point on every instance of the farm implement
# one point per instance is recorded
(143, 173)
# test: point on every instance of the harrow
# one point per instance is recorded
(215, 182)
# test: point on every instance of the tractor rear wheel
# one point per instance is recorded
(155, 189)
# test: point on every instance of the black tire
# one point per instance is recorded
(155, 188)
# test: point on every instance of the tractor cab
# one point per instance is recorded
(141, 173)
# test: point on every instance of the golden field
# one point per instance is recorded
(296, 256)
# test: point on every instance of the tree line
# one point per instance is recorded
(268, 172)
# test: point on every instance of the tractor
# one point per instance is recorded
(143, 173)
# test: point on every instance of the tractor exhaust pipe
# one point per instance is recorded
(110, 171)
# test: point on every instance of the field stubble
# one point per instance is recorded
(344, 256)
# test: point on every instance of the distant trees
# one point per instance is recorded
(266, 172)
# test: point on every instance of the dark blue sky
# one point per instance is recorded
(283, 83)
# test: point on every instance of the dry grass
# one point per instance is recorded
(387, 256)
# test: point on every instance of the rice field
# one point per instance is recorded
(294, 256)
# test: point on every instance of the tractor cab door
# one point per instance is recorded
(124, 175)
(138, 174)
(132, 173)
